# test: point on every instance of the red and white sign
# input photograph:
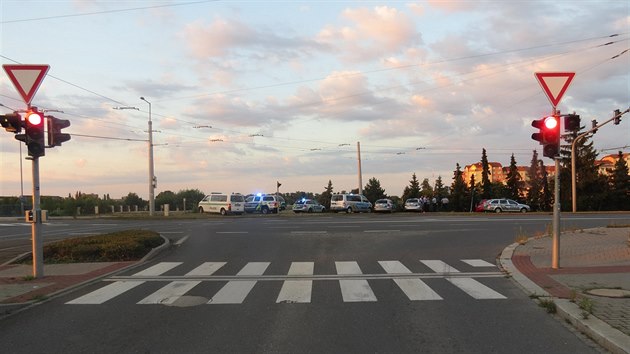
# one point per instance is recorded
(555, 85)
(26, 78)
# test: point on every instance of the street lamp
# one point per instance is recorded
(151, 175)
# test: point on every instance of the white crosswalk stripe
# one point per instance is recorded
(297, 284)
(112, 290)
(297, 290)
(471, 286)
(415, 289)
(235, 292)
(174, 290)
(354, 290)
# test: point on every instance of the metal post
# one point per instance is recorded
(555, 249)
(151, 174)
(38, 249)
(360, 174)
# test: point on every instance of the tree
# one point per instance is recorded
(514, 182)
(486, 185)
(534, 192)
(547, 195)
(590, 184)
(192, 196)
(473, 196)
(324, 198)
(413, 189)
(133, 199)
(166, 197)
(425, 188)
(440, 191)
(458, 190)
(619, 182)
(373, 190)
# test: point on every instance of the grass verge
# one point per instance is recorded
(128, 245)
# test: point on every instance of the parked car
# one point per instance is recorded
(481, 206)
(262, 203)
(413, 204)
(350, 203)
(505, 205)
(222, 203)
(308, 206)
(384, 206)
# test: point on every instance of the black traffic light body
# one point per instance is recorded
(12, 122)
(34, 134)
(548, 135)
(571, 123)
(55, 136)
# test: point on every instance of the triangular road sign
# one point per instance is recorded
(26, 78)
(555, 85)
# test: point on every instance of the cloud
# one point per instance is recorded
(372, 33)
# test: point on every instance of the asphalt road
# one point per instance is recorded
(307, 283)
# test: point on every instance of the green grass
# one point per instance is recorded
(128, 245)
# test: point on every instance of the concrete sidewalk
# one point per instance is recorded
(591, 288)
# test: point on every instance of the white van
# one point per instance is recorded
(222, 203)
(350, 203)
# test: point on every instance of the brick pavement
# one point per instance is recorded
(588, 259)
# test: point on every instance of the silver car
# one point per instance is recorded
(413, 204)
(384, 206)
(308, 206)
(505, 205)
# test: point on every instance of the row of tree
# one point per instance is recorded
(595, 191)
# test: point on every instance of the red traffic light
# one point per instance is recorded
(34, 118)
(548, 134)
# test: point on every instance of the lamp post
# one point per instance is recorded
(151, 175)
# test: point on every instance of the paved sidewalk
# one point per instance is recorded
(591, 288)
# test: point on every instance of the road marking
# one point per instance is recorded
(112, 290)
(309, 232)
(181, 241)
(415, 289)
(469, 285)
(380, 231)
(354, 290)
(234, 292)
(232, 232)
(297, 290)
(174, 290)
(475, 289)
(478, 263)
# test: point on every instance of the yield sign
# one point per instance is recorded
(26, 78)
(555, 85)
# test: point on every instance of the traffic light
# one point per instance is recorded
(12, 122)
(548, 134)
(571, 123)
(55, 136)
(34, 136)
(617, 116)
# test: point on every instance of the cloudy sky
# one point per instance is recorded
(247, 93)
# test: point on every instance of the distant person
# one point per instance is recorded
(445, 203)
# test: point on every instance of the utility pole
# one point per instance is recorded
(152, 179)
(360, 174)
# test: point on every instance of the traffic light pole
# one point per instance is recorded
(38, 248)
(555, 242)
(555, 247)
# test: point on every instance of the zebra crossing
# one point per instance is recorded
(298, 283)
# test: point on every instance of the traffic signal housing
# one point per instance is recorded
(55, 136)
(12, 122)
(34, 133)
(548, 134)
(571, 123)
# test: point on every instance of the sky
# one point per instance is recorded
(245, 94)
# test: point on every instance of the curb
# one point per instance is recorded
(601, 332)
(11, 309)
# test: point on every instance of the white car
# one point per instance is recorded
(384, 206)
(222, 203)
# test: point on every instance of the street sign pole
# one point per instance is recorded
(555, 248)
(555, 85)
(26, 79)
(38, 247)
